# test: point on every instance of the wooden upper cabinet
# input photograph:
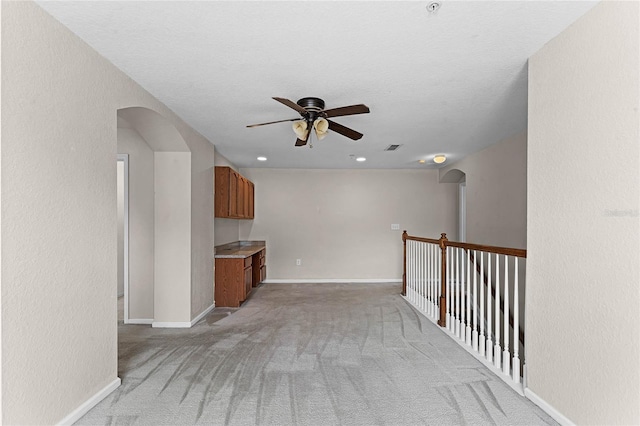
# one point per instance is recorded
(233, 194)
(240, 198)
(250, 198)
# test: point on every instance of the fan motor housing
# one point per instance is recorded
(312, 104)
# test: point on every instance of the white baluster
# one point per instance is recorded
(506, 358)
(436, 312)
(463, 309)
(489, 313)
(474, 335)
(427, 271)
(497, 350)
(421, 275)
(458, 315)
(409, 267)
(417, 275)
(413, 265)
(436, 280)
(431, 256)
(481, 338)
(449, 286)
(416, 264)
(516, 325)
(468, 328)
(427, 279)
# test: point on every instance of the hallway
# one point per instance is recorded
(354, 354)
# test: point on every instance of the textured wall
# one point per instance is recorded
(141, 222)
(59, 263)
(583, 352)
(172, 242)
(496, 193)
(201, 239)
(339, 221)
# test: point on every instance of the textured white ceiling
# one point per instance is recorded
(452, 82)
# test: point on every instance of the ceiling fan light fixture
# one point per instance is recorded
(321, 127)
(300, 129)
(439, 159)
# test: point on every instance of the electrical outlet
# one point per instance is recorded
(298, 262)
(395, 226)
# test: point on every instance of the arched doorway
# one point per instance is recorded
(157, 290)
(459, 177)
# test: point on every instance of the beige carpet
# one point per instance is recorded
(323, 354)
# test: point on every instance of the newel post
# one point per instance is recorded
(442, 322)
(404, 263)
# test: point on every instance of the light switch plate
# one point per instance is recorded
(395, 226)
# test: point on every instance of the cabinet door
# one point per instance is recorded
(233, 193)
(251, 207)
(247, 191)
(248, 281)
(221, 199)
(240, 197)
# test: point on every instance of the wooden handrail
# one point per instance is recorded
(480, 247)
(406, 236)
(490, 249)
(443, 243)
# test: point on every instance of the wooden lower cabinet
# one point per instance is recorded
(259, 267)
(248, 281)
(236, 277)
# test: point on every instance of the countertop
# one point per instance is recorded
(238, 250)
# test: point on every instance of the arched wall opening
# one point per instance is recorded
(159, 237)
(459, 177)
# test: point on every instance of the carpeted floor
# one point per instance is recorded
(305, 354)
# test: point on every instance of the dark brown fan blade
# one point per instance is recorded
(344, 131)
(291, 105)
(301, 142)
(272, 122)
(347, 110)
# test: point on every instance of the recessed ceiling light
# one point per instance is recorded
(361, 159)
(422, 161)
(262, 158)
(439, 159)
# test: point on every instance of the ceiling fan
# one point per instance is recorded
(314, 116)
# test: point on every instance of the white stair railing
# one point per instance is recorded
(475, 293)
(422, 276)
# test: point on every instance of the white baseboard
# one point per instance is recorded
(332, 281)
(547, 408)
(140, 321)
(182, 324)
(202, 314)
(76, 414)
(169, 324)
(518, 387)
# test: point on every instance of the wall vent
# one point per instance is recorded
(392, 147)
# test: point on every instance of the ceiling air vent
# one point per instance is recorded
(392, 147)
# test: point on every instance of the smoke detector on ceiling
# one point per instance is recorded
(433, 7)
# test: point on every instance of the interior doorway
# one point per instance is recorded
(122, 195)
